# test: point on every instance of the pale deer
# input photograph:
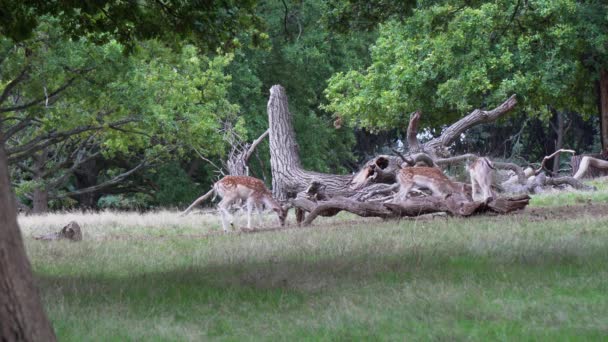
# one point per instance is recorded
(481, 178)
(426, 177)
(251, 191)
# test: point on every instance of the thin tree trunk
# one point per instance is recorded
(40, 196)
(559, 141)
(604, 109)
(40, 201)
(22, 317)
(86, 176)
(288, 177)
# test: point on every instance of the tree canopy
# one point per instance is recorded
(449, 57)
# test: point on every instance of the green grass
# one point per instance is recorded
(481, 278)
(574, 197)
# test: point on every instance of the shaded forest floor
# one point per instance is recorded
(538, 274)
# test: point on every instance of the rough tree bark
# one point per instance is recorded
(288, 177)
(22, 316)
(412, 130)
(326, 195)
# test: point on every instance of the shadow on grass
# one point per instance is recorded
(288, 282)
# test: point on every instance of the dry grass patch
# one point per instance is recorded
(497, 277)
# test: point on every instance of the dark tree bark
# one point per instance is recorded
(288, 177)
(86, 175)
(40, 195)
(560, 130)
(603, 104)
(22, 316)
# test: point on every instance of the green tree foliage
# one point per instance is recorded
(155, 103)
(173, 186)
(208, 24)
(346, 16)
(301, 54)
(449, 57)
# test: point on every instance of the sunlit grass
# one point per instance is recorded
(572, 197)
(480, 278)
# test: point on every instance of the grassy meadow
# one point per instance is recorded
(537, 275)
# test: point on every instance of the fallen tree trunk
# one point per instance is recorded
(70, 232)
(289, 178)
(416, 206)
(589, 166)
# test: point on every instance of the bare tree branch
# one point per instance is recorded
(12, 84)
(255, 144)
(476, 117)
(116, 180)
(412, 131)
(41, 99)
(542, 164)
(24, 151)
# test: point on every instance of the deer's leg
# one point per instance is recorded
(250, 207)
(224, 206)
(474, 186)
(487, 189)
(300, 216)
(260, 211)
(404, 189)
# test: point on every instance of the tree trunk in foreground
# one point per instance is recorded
(288, 177)
(22, 317)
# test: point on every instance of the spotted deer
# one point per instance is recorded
(481, 179)
(248, 190)
(426, 177)
(251, 191)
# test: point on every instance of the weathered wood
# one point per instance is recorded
(573, 182)
(238, 158)
(410, 207)
(412, 131)
(70, 232)
(542, 164)
(521, 176)
(438, 147)
(590, 166)
(337, 204)
(288, 177)
(381, 169)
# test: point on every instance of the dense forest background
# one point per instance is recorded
(99, 112)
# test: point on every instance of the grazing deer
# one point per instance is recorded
(426, 177)
(481, 178)
(250, 190)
